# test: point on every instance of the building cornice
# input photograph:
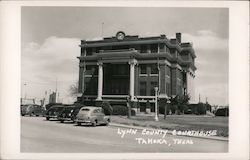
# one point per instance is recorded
(134, 54)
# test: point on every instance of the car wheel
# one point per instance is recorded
(78, 123)
(94, 123)
(107, 123)
(47, 118)
(61, 121)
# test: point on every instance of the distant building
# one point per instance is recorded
(53, 97)
(117, 67)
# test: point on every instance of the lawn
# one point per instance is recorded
(178, 122)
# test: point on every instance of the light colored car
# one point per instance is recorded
(92, 115)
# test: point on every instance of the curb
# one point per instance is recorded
(141, 128)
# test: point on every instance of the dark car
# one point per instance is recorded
(54, 111)
(68, 113)
(24, 109)
(32, 110)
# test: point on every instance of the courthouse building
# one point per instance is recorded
(124, 66)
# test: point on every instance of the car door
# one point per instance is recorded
(101, 115)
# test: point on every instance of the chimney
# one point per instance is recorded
(178, 37)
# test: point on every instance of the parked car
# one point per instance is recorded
(32, 110)
(92, 115)
(69, 113)
(23, 109)
(54, 111)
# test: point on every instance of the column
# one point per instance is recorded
(132, 64)
(100, 80)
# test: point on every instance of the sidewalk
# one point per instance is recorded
(170, 132)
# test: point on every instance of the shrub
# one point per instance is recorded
(173, 108)
(122, 110)
(162, 108)
(108, 110)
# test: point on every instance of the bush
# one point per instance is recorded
(122, 110)
(108, 110)
(173, 108)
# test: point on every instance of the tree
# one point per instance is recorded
(73, 90)
(180, 102)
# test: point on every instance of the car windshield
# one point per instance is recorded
(85, 109)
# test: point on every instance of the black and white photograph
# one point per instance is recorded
(128, 79)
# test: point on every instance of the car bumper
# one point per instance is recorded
(50, 116)
(64, 119)
(83, 121)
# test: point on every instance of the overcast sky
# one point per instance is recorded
(51, 35)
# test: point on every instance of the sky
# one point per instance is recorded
(50, 38)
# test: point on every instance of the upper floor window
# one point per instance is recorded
(143, 48)
(98, 49)
(154, 48)
(91, 70)
(143, 68)
(154, 69)
(89, 51)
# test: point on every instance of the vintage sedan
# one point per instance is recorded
(54, 111)
(69, 113)
(92, 115)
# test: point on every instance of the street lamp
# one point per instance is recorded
(24, 90)
(156, 106)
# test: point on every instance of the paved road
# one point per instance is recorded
(39, 135)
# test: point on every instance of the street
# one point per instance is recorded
(41, 136)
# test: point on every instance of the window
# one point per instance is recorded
(154, 69)
(162, 47)
(143, 68)
(89, 51)
(154, 48)
(143, 48)
(91, 70)
(98, 49)
(168, 89)
(152, 88)
(143, 88)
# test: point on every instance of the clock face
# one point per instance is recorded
(120, 35)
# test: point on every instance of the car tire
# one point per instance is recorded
(94, 123)
(107, 123)
(47, 118)
(62, 121)
(78, 123)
